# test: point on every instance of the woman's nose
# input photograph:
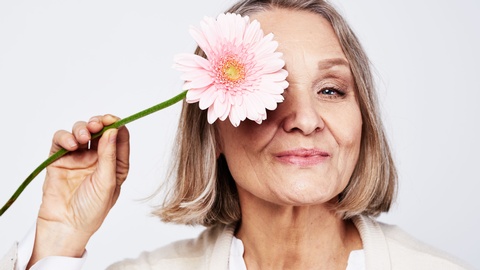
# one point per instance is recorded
(301, 112)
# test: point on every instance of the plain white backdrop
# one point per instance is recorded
(63, 61)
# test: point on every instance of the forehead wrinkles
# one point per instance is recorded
(302, 67)
(298, 62)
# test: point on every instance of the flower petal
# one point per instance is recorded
(211, 116)
(207, 98)
(198, 82)
(191, 61)
(194, 95)
(221, 108)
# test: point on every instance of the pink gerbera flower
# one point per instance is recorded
(241, 77)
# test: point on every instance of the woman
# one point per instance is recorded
(297, 192)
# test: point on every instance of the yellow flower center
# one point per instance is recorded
(232, 70)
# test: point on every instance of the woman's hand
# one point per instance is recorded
(81, 187)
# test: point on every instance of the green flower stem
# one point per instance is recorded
(62, 151)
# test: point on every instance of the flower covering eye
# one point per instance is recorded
(242, 75)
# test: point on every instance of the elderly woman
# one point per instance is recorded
(298, 191)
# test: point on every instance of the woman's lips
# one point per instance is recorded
(302, 157)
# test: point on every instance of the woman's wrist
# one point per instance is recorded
(57, 239)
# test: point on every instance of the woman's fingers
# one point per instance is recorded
(97, 123)
(63, 139)
(123, 154)
(105, 174)
(113, 160)
(81, 133)
(109, 119)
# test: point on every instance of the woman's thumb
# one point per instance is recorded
(107, 155)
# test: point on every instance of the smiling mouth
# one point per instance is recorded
(303, 157)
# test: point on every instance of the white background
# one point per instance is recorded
(62, 61)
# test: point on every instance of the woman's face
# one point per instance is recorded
(306, 150)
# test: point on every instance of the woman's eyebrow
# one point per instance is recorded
(332, 62)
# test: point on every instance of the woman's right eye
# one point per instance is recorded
(331, 93)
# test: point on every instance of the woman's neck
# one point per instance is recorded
(287, 237)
